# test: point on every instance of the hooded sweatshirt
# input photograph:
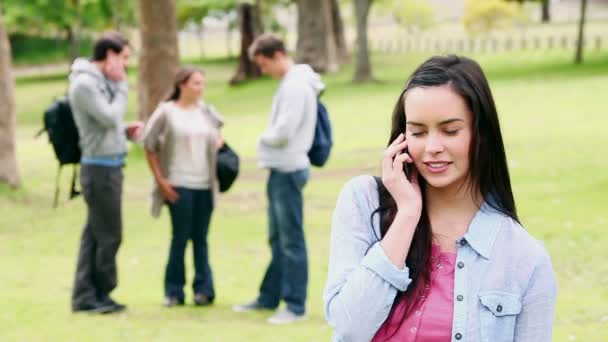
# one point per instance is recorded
(98, 105)
(285, 143)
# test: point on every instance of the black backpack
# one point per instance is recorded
(322, 141)
(63, 136)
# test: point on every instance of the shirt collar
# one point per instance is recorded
(483, 230)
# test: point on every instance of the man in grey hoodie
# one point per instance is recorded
(98, 98)
(283, 149)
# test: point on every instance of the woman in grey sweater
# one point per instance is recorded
(181, 140)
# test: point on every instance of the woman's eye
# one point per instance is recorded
(454, 132)
(417, 134)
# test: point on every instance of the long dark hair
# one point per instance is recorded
(488, 172)
(182, 76)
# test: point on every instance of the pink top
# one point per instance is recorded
(431, 319)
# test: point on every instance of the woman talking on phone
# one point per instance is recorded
(434, 251)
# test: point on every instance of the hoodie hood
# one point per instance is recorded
(85, 66)
(304, 73)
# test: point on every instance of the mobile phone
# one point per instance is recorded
(407, 167)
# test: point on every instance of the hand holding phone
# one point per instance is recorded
(115, 68)
(400, 177)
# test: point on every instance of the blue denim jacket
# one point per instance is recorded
(504, 274)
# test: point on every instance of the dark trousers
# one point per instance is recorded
(102, 234)
(287, 275)
(190, 217)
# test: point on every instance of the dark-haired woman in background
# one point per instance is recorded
(181, 140)
(438, 254)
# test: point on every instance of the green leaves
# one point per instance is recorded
(44, 16)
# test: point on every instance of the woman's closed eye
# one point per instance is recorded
(452, 131)
(417, 134)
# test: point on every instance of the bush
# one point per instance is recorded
(414, 15)
(38, 50)
(484, 16)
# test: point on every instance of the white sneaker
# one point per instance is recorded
(285, 317)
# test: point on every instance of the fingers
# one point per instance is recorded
(170, 194)
(389, 154)
(397, 146)
(402, 158)
(399, 139)
(174, 195)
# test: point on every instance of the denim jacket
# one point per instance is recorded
(504, 274)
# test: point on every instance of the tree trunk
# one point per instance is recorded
(316, 40)
(201, 40)
(116, 14)
(578, 58)
(249, 23)
(363, 71)
(338, 30)
(73, 32)
(8, 160)
(546, 14)
(159, 58)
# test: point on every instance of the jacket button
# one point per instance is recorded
(499, 308)
(458, 336)
(463, 242)
(459, 298)
(461, 264)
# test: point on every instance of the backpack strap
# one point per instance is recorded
(57, 177)
(39, 133)
(73, 191)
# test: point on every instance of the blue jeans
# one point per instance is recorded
(190, 217)
(287, 275)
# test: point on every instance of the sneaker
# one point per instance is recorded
(173, 301)
(285, 317)
(94, 308)
(201, 299)
(254, 305)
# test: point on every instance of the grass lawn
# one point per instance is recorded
(552, 116)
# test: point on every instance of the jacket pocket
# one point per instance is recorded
(498, 312)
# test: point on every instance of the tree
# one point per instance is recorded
(251, 26)
(363, 67)
(159, 58)
(316, 38)
(414, 15)
(578, 58)
(8, 161)
(338, 31)
(485, 16)
(545, 11)
(193, 13)
(69, 17)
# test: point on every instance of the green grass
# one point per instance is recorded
(552, 114)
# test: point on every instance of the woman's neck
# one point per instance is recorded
(451, 211)
(186, 103)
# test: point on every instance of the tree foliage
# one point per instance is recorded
(48, 16)
(484, 16)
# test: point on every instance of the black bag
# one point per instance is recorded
(63, 136)
(227, 167)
